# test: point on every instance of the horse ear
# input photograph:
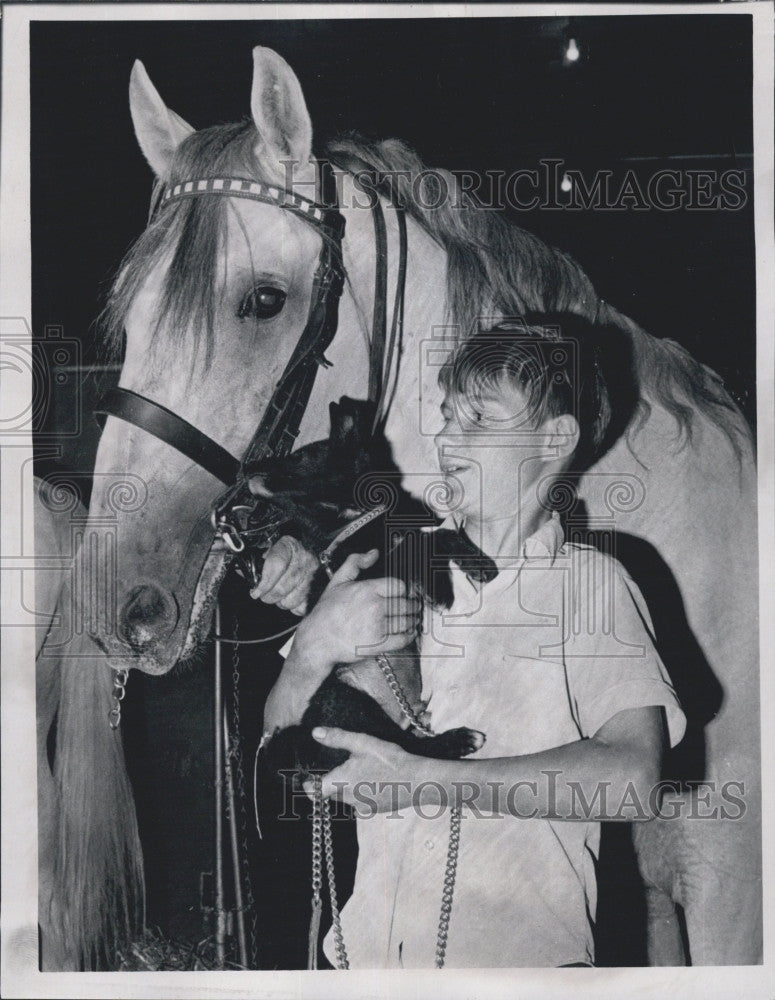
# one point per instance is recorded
(159, 131)
(279, 111)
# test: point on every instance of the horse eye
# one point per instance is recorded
(262, 302)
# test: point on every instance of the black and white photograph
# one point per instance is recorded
(386, 453)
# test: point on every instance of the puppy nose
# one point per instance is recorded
(148, 617)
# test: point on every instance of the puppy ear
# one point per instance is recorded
(343, 427)
(362, 412)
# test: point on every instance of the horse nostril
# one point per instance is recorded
(149, 616)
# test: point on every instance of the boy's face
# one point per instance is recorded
(491, 452)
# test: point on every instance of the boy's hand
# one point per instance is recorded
(349, 616)
(377, 777)
(286, 576)
(354, 619)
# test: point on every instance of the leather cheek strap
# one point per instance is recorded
(170, 428)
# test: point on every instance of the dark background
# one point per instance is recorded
(650, 92)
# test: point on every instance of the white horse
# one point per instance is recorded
(212, 300)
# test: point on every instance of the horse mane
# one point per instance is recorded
(495, 269)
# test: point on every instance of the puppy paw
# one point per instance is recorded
(471, 740)
(454, 744)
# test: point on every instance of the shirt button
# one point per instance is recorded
(429, 845)
(454, 688)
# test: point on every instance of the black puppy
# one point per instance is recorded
(316, 495)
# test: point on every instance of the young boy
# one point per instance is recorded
(553, 661)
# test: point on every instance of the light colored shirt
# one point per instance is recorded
(542, 656)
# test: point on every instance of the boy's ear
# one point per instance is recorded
(564, 436)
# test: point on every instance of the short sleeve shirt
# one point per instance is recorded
(542, 656)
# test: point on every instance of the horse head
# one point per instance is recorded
(211, 302)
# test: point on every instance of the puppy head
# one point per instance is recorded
(325, 472)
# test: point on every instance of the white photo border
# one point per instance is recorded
(20, 975)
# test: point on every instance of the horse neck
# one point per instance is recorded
(425, 337)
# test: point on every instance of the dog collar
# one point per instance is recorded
(351, 529)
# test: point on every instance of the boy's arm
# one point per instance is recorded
(350, 615)
(609, 776)
(589, 779)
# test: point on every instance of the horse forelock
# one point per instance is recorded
(191, 234)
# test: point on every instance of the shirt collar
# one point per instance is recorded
(544, 543)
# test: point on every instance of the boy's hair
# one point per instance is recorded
(554, 361)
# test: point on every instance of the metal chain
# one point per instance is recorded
(317, 874)
(398, 692)
(235, 746)
(341, 953)
(322, 839)
(321, 832)
(321, 825)
(450, 873)
(119, 693)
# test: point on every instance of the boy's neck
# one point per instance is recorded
(504, 537)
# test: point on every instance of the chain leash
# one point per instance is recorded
(317, 874)
(450, 874)
(120, 678)
(398, 692)
(341, 953)
(235, 746)
(322, 841)
(453, 848)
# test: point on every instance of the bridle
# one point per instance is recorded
(279, 426)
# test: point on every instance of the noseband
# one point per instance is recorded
(280, 423)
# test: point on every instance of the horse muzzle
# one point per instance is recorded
(148, 618)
